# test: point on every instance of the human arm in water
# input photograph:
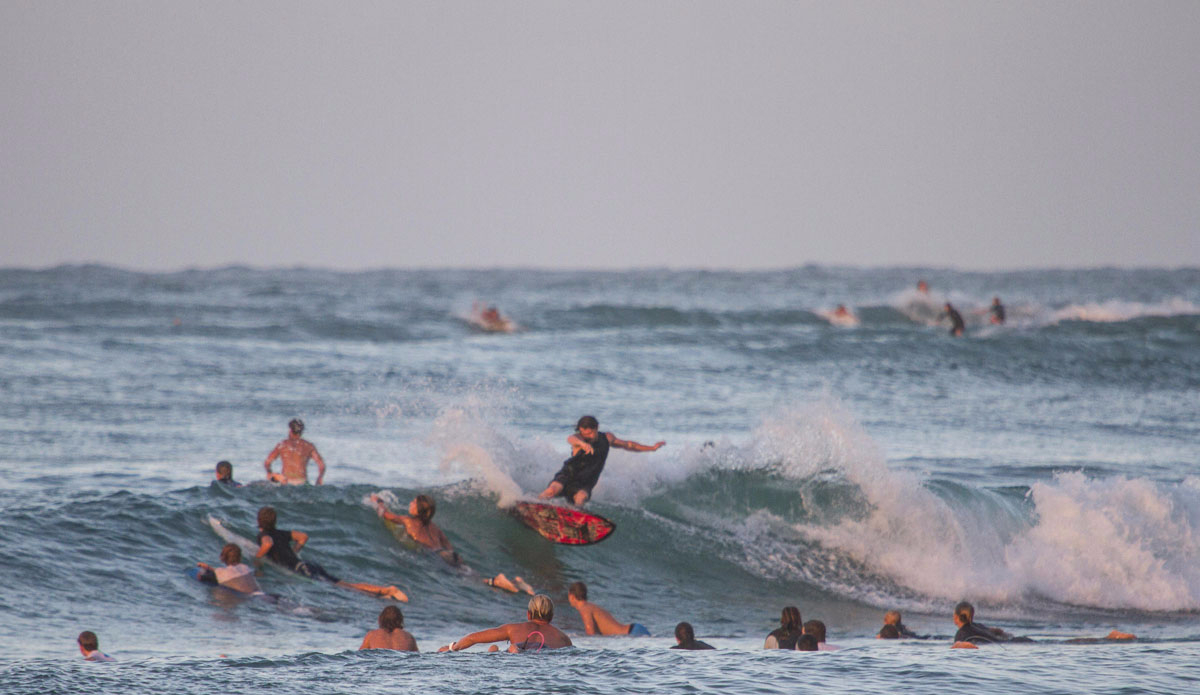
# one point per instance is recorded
(275, 453)
(495, 634)
(316, 456)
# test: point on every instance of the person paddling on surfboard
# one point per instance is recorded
(589, 450)
(420, 527)
(293, 454)
(235, 575)
(276, 545)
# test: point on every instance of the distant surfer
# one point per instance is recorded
(534, 634)
(816, 628)
(596, 620)
(922, 287)
(957, 327)
(391, 633)
(893, 628)
(89, 646)
(419, 526)
(685, 638)
(224, 474)
(997, 311)
(235, 575)
(788, 633)
(589, 450)
(294, 454)
(276, 545)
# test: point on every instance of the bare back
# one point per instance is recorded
(399, 640)
(294, 454)
(428, 535)
(598, 620)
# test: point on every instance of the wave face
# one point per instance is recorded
(1045, 469)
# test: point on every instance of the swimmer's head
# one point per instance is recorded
(578, 590)
(922, 286)
(807, 643)
(790, 619)
(266, 518)
(224, 470)
(231, 554)
(891, 618)
(296, 425)
(816, 628)
(390, 618)
(541, 608)
(684, 633)
(88, 640)
(965, 612)
(423, 508)
(587, 422)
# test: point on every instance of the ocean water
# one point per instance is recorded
(1048, 470)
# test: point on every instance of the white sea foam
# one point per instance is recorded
(1115, 310)
(1107, 543)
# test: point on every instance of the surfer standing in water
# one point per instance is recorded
(419, 526)
(589, 450)
(957, 327)
(293, 454)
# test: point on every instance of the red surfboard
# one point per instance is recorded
(563, 524)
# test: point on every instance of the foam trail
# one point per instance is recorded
(1115, 310)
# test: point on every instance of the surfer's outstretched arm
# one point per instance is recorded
(630, 445)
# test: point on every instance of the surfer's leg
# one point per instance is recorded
(501, 582)
(580, 497)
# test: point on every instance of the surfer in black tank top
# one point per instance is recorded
(589, 451)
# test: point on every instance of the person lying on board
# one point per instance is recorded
(893, 628)
(534, 634)
(788, 632)
(391, 633)
(276, 545)
(235, 575)
(294, 454)
(972, 634)
(224, 474)
(685, 638)
(596, 620)
(589, 451)
(418, 523)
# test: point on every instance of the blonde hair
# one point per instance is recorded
(541, 608)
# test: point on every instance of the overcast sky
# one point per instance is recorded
(747, 134)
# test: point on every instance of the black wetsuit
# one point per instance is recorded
(694, 644)
(786, 639)
(998, 313)
(582, 471)
(957, 327)
(281, 553)
(976, 634)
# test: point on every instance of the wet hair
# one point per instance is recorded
(231, 554)
(965, 611)
(588, 421)
(816, 628)
(578, 590)
(807, 643)
(790, 619)
(541, 608)
(425, 509)
(390, 618)
(266, 518)
(88, 640)
(684, 634)
(891, 618)
(296, 425)
(889, 632)
(224, 470)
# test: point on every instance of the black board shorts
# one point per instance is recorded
(312, 570)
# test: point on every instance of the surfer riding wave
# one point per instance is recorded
(589, 451)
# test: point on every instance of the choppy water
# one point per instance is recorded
(1047, 470)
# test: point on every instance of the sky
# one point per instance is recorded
(749, 134)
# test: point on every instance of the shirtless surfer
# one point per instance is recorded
(535, 633)
(589, 450)
(391, 633)
(596, 620)
(418, 523)
(294, 454)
